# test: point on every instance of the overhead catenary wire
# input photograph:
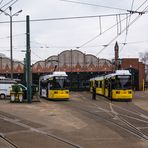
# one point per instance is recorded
(96, 5)
(120, 24)
(118, 20)
(11, 4)
(36, 55)
(75, 18)
(117, 24)
(7, 4)
(136, 42)
(15, 35)
(1, 2)
(121, 32)
(127, 26)
(126, 18)
(100, 24)
(66, 18)
(43, 46)
(98, 35)
(128, 21)
(142, 5)
(115, 37)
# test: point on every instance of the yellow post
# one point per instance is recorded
(143, 84)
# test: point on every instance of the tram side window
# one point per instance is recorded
(43, 84)
(100, 84)
(96, 83)
(107, 83)
(90, 83)
(50, 85)
(113, 84)
(66, 83)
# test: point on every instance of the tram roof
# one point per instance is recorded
(119, 72)
(2, 78)
(59, 73)
(97, 78)
(54, 74)
(8, 80)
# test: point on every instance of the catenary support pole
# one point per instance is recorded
(28, 61)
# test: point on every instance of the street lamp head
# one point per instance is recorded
(17, 13)
(6, 14)
(11, 15)
(1, 10)
(23, 50)
(20, 11)
(10, 8)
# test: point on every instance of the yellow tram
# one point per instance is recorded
(54, 86)
(116, 86)
(98, 83)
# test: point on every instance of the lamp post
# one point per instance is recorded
(11, 16)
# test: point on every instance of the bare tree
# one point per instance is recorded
(2, 55)
(144, 59)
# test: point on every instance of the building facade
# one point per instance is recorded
(79, 66)
(137, 69)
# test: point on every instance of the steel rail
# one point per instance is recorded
(8, 141)
(15, 121)
(63, 140)
(144, 137)
(130, 128)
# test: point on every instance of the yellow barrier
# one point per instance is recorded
(143, 87)
(16, 97)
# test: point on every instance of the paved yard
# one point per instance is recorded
(79, 122)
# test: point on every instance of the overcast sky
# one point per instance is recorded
(52, 37)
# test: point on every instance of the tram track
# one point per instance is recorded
(8, 142)
(132, 109)
(63, 140)
(3, 136)
(115, 117)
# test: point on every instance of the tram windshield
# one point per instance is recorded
(122, 82)
(59, 83)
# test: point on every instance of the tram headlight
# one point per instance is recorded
(55, 92)
(117, 92)
(67, 92)
(129, 92)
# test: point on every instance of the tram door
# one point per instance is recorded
(48, 90)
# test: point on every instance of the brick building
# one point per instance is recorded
(137, 69)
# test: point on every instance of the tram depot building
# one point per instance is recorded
(80, 68)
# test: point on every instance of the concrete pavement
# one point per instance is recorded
(27, 126)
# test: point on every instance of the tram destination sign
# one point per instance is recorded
(123, 77)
